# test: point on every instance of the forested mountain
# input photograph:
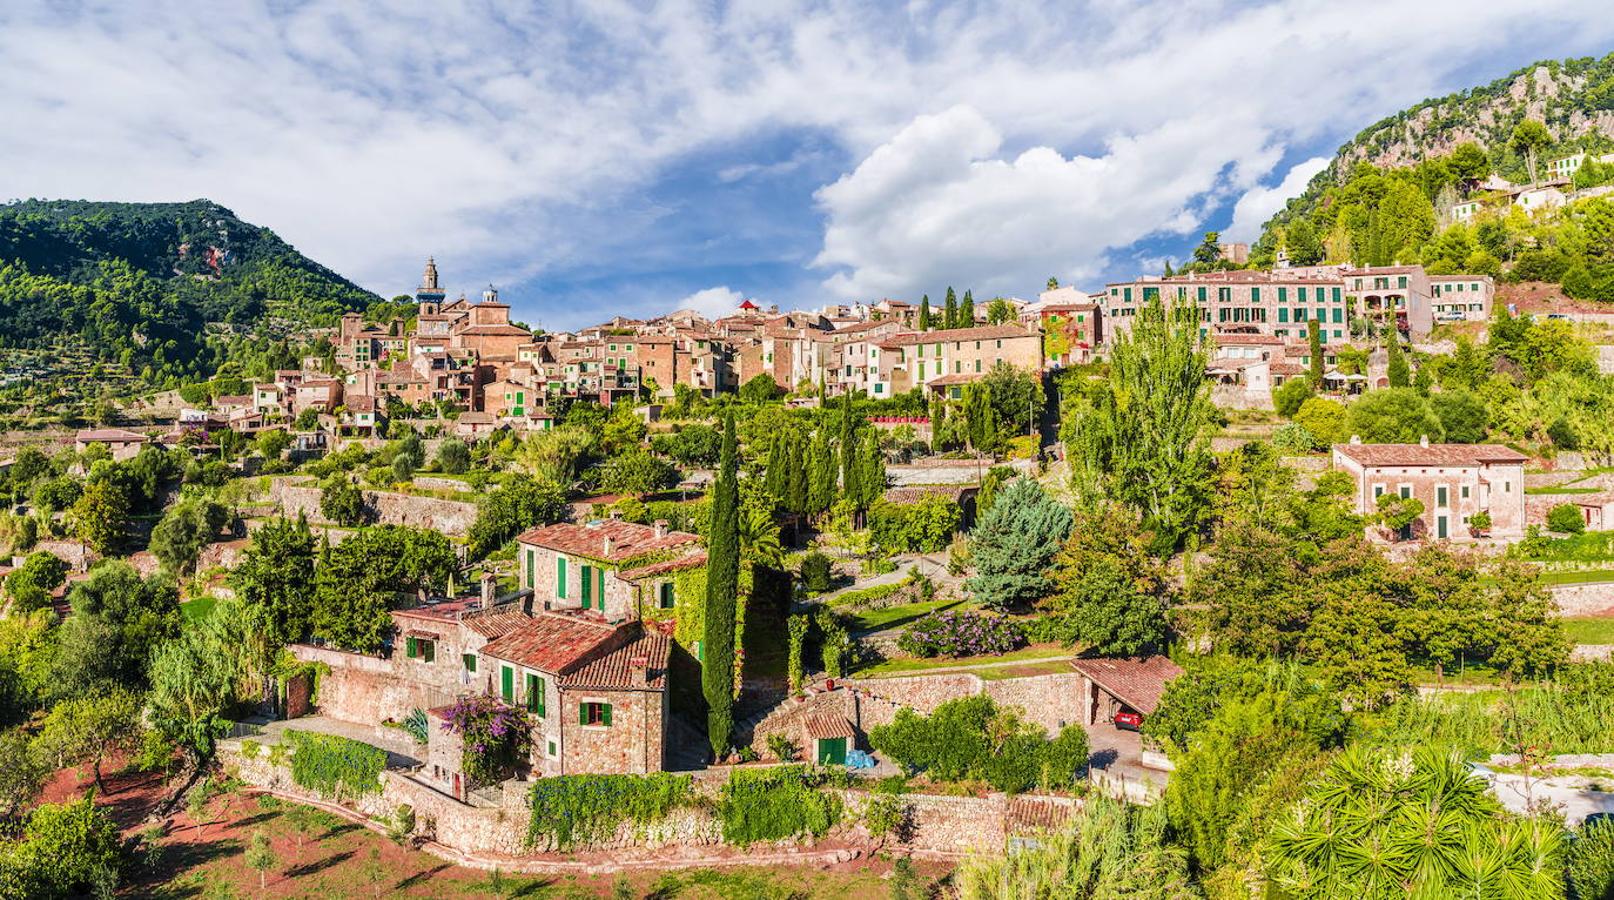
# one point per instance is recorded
(139, 281)
(1389, 195)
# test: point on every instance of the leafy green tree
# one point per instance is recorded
(1209, 251)
(1288, 397)
(193, 679)
(1314, 342)
(23, 771)
(692, 445)
(522, 502)
(67, 850)
(821, 474)
(341, 501)
(1565, 518)
(1014, 543)
(1016, 396)
(31, 583)
(118, 617)
(1528, 139)
(1324, 419)
(1302, 244)
(1393, 416)
(1112, 593)
(999, 312)
(453, 457)
(86, 729)
(761, 389)
(185, 531)
(273, 579)
(100, 516)
(1142, 438)
(260, 857)
(722, 594)
(637, 472)
(1334, 843)
(1462, 414)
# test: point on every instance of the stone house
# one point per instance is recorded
(122, 443)
(1454, 481)
(613, 570)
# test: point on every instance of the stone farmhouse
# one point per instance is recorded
(584, 648)
(1454, 481)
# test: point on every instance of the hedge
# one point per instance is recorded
(574, 809)
(777, 804)
(335, 766)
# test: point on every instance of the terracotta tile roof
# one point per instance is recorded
(627, 539)
(950, 380)
(1432, 455)
(494, 331)
(639, 665)
(821, 727)
(551, 642)
(1258, 339)
(691, 561)
(475, 418)
(983, 333)
(495, 623)
(1136, 682)
(1037, 814)
(111, 435)
(916, 493)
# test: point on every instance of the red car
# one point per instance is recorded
(1128, 721)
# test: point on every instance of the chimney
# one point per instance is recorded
(488, 586)
(1423, 441)
(1356, 439)
(641, 664)
(661, 529)
(609, 545)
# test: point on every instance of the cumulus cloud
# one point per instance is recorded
(1258, 204)
(711, 302)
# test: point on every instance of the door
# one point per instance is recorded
(1440, 526)
(588, 587)
(832, 751)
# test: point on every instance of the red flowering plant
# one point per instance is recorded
(496, 737)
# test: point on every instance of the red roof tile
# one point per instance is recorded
(691, 561)
(551, 643)
(627, 539)
(1136, 682)
(1432, 455)
(640, 665)
(821, 727)
(983, 333)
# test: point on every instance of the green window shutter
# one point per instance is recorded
(533, 689)
(560, 577)
(599, 596)
(470, 661)
(543, 704)
(532, 564)
(605, 712)
(409, 647)
(431, 650)
(588, 587)
(507, 684)
(582, 713)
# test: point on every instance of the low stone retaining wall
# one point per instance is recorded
(940, 826)
(1583, 599)
(451, 517)
(1051, 701)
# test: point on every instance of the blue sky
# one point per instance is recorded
(611, 157)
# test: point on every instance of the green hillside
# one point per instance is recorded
(137, 283)
(1389, 195)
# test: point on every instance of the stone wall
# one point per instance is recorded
(362, 689)
(1584, 599)
(451, 517)
(943, 826)
(1048, 700)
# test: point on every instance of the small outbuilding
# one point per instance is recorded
(1111, 686)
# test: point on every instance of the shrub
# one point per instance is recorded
(1292, 437)
(334, 765)
(782, 747)
(776, 805)
(973, 739)
(495, 737)
(67, 850)
(960, 634)
(1590, 866)
(1565, 518)
(341, 501)
(1290, 395)
(834, 641)
(815, 572)
(572, 809)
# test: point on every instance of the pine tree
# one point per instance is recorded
(966, 311)
(1316, 349)
(1399, 374)
(924, 313)
(950, 311)
(1168, 273)
(722, 591)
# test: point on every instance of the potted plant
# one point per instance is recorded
(1479, 524)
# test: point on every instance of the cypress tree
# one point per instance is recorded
(848, 451)
(924, 313)
(796, 476)
(950, 311)
(722, 592)
(773, 477)
(966, 311)
(1399, 374)
(870, 470)
(1316, 340)
(821, 484)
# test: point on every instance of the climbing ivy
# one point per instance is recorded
(778, 804)
(572, 809)
(335, 766)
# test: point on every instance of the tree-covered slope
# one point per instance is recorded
(139, 281)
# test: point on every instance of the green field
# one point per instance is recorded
(1577, 576)
(1590, 630)
(893, 616)
(1037, 654)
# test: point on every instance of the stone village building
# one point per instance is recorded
(1454, 481)
(584, 647)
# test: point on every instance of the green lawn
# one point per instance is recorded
(1561, 489)
(1038, 653)
(1590, 630)
(198, 609)
(1577, 576)
(895, 616)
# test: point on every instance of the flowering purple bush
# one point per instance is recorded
(495, 736)
(960, 634)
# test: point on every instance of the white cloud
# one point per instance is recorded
(1259, 203)
(711, 302)
(514, 142)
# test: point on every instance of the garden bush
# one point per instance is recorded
(1565, 518)
(961, 634)
(973, 739)
(573, 809)
(495, 737)
(815, 572)
(334, 765)
(777, 804)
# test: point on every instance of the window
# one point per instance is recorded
(1283, 314)
(597, 714)
(880, 388)
(1406, 491)
(1401, 282)
(1202, 295)
(1442, 496)
(1224, 294)
(1300, 294)
(1283, 295)
(1378, 491)
(469, 659)
(535, 694)
(1463, 492)
(1126, 294)
(421, 648)
(507, 684)
(1255, 295)
(551, 749)
(977, 365)
(1336, 295)
(664, 595)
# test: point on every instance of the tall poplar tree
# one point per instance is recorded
(924, 313)
(950, 310)
(1399, 373)
(722, 596)
(821, 477)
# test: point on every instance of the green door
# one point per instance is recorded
(588, 587)
(832, 751)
